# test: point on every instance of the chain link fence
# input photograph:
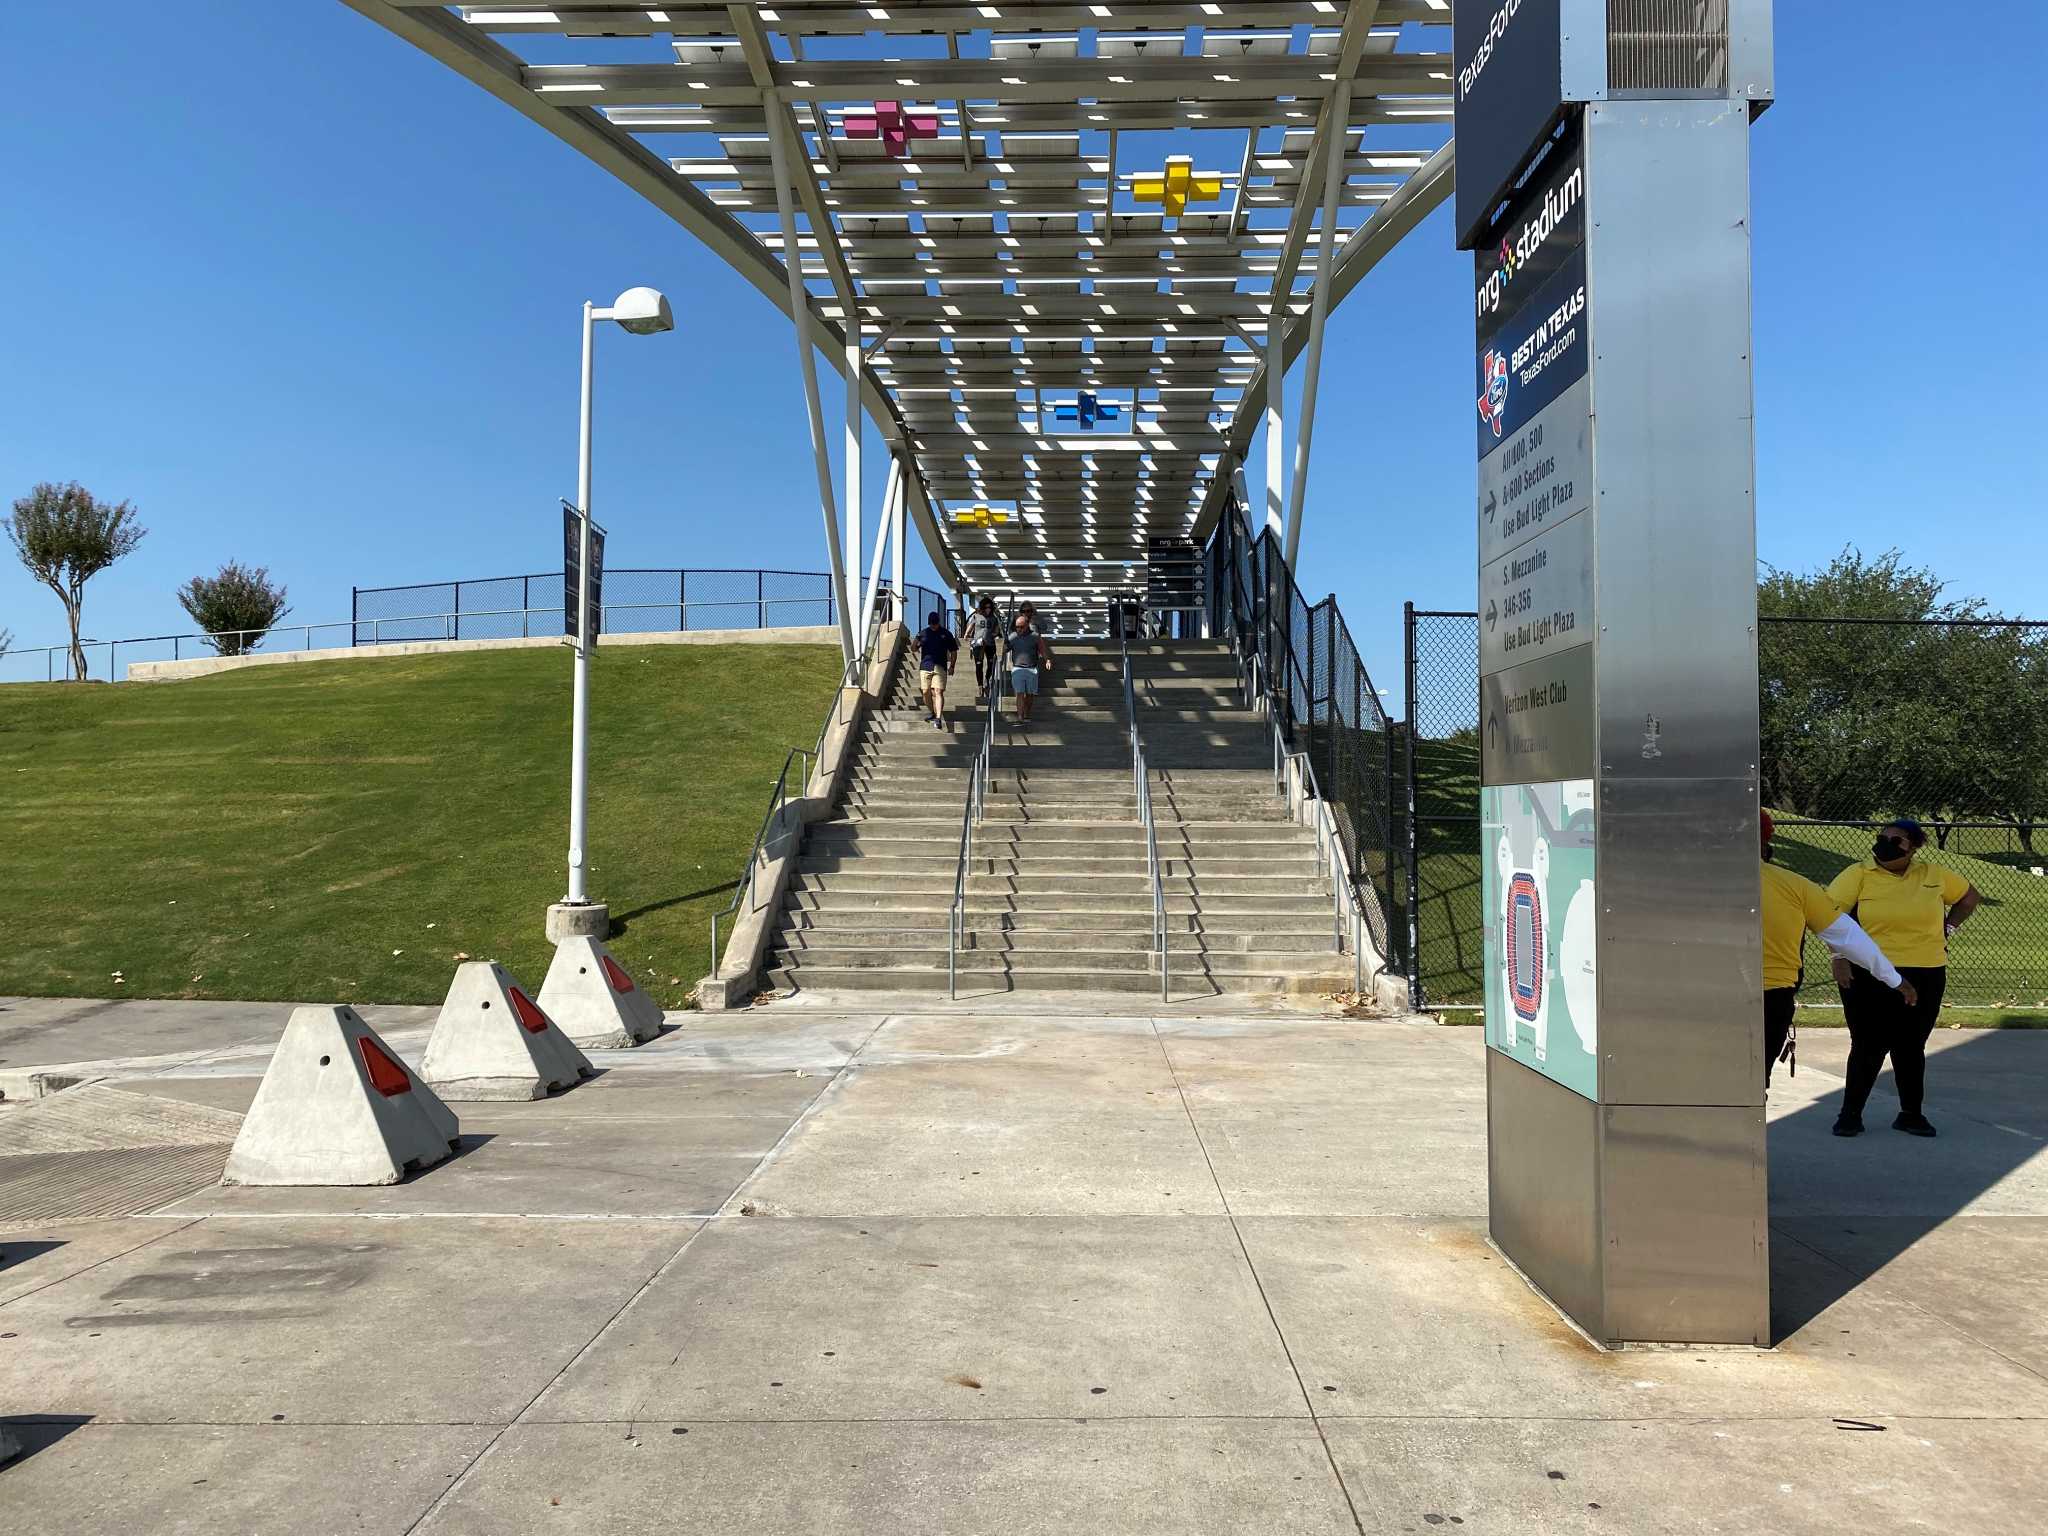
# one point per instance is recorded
(1440, 749)
(1861, 720)
(1323, 699)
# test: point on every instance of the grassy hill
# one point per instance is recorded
(344, 830)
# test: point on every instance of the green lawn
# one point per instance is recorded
(345, 830)
(1998, 963)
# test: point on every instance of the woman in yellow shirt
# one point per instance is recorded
(1909, 907)
(1793, 906)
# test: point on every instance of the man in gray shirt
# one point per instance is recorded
(1024, 648)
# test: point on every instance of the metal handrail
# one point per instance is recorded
(1341, 895)
(973, 810)
(449, 625)
(744, 886)
(1141, 778)
(849, 676)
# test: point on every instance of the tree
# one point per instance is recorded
(65, 537)
(236, 608)
(1937, 711)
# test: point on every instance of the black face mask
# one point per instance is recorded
(1885, 849)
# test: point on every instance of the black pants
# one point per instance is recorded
(1779, 1003)
(984, 666)
(1881, 1025)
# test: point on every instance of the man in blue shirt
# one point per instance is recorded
(937, 650)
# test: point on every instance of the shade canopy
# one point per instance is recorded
(1066, 234)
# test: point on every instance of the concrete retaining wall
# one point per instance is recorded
(207, 666)
(738, 975)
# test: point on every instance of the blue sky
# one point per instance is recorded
(310, 301)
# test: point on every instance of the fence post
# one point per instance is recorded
(355, 612)
(455, 623)
(1308, 670)
(1330, 716)
(1393, 901)
(1414, 855)
(682, 600)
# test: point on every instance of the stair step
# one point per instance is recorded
(910, 871)
(1060, 883)
(1203, 979)
(935, 917)
(893, 897)
(1060, 943)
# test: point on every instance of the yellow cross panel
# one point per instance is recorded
(980, 517)
(1176, 186)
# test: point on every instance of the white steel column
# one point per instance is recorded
(854, 602)
(874, 587)
(1276, 386)
(800, 313)
(897, 528)
(1339, 128)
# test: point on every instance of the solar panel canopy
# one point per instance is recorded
(1068, 241)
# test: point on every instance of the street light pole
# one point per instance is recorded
(579, 729)
(644, 312)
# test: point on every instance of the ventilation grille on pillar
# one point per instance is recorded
(1667, 47)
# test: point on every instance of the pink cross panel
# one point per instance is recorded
(893, 126)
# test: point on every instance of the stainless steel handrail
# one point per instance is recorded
(1141, 778)
(1341, 895)
(975, 808)
(745, 884)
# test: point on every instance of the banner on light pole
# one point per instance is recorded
(572, 577)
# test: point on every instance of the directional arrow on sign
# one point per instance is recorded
(1492, 732)
(1492, 614)
(1491, 503)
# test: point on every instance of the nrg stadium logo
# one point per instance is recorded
(1518, 247)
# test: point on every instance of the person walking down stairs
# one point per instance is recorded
(982, 625)
(937, 651)
(1027, 656)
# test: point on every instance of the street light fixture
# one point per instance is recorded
(644, 312)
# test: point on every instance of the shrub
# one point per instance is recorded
(236, 608)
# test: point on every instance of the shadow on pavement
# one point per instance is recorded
(20, 1251)
(1845, 1208)
(38, 1433)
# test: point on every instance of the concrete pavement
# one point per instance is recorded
(932, 1269)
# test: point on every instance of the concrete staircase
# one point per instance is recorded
(1058, 894)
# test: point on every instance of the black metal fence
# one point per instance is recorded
(635, 602)
(1323, 699)
(1440, 760)
(1861, 720)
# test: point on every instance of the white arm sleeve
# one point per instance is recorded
(1846, 940)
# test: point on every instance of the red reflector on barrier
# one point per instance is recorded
(620, 981)
(529, 1013)
(386, 1075)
